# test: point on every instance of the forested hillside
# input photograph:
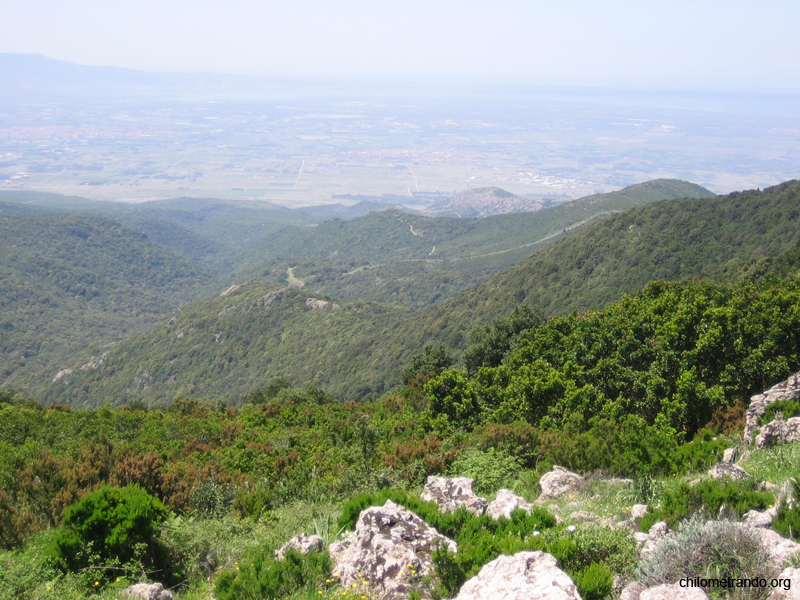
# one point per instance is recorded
(73, 283)
(415, 261)
(359, 349)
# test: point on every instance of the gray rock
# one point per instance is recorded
(558, 482)
(638, 511)
(523, 576)
(148, 591)
(793, 593)
(632, 591)
(755, 518)
(721, 470)
(779, 431)
(657, 532)
(779, 548)
(729, 456)
(673, 591)
(451, 494)
(785, 390)
(302, 543)
(389, 552)
(505, 503)
(581, 516)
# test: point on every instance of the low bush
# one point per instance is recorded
(708, 496)
(490, 469)
(595, 582)
(723, 550)
(787, 521)
(787, 408)
(261, 577)
(109, 528)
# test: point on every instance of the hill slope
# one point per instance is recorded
(361, 347)
(67, 282)
(416, 261)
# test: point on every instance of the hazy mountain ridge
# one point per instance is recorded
(483, 202)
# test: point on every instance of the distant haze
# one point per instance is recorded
(731, 45)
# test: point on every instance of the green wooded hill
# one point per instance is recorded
(670, 240)
(230, 344)
(412, 260)
(70, 282)
(218, 235)
(360, 348)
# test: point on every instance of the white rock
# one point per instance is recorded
(779, 548)
(558, 482)
(148, 591)
(505, 503)
(632, 591)
(390, 550)
(776, 431)
(755, 518)
(785, 390)
(728, 470)
(638, 511)
(523, 576)
(453, 493)
(729, 456)
(302, 543)
(793, 593)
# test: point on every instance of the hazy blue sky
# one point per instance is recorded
(705, 44)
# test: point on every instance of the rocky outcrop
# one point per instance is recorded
(779, 431)
(451, 494)
(389, 552)
(505, 503)
(650, 540)
(302, 543)
(558, 482)
(673, 591)
(315, 304)
(734, 472)
(523, 576)
(148, 591)
(778, 547)
(791, 574)
(785, 390)
(755, 518)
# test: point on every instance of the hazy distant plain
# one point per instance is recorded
(307, 151)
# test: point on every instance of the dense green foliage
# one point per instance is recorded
(69, 284)
(708, 496)
(672, 355)
(109, 528)
(261, 577)
(415, 261)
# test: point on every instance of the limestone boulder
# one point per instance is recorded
(505, 503)
(778, 547)
(787, 590)
(148, 591)
(650, 541)
(302, 543)
(389, 553)
(559, 482)
(785, 390)
(755, 518)
(779, 431)
(450, 494)
(732, 471)
(523, 576)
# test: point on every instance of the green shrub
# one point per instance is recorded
(704, 451)
(787, 521)
(787, 408)
(491, 469)
(707, 496)
(110, 527)
(594, 582)
(261, 577)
